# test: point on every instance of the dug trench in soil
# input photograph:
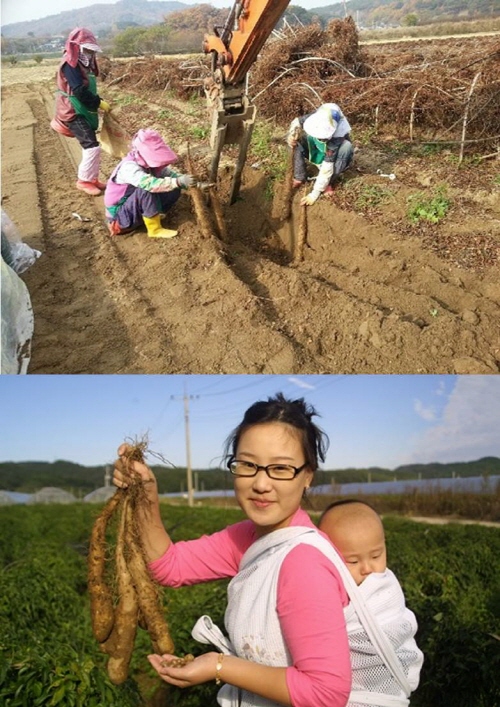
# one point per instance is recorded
(363, 299)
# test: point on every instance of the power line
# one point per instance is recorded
(264, 379)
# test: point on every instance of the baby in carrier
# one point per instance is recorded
(357, 532)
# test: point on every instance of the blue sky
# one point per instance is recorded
(371, 420)
(15, 11)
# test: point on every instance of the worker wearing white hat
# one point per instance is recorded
(322, 138)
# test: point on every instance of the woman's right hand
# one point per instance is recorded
(155, 538)
(124, 467)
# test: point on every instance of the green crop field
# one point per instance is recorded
(48, 656)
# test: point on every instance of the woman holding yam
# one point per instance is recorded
(284, 618)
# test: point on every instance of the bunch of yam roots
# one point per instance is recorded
(123, 595)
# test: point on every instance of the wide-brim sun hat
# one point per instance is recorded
(78, 38)
(152, 149)
(91, 47)
(320, 124)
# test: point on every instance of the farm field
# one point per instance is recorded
(48, 655)
(374, 292)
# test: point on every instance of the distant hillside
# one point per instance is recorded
(28, 477)
(106, 19)
(368, 13)
(100, 18)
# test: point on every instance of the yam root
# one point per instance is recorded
(101, 595)
(116, 611)
(288, 190)
(301, 241)
(149, 604)
(120, 644)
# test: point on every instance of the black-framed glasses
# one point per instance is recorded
(278, 472)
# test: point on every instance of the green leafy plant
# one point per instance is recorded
(429, 149)
(431, 208)
(199, 132)
(262, 139)
(196, 104)
(61, 677)
(370, 196)
(48, 656)
(272, 155)
(164, 114)
(126, 100)
(364, 136)
(452, 593)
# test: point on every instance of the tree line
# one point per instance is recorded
(182, 31)
(31, 476)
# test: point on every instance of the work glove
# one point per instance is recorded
(105, 106)
(293, 133)
(185, 181)
(311, 198)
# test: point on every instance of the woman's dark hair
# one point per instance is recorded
(296, 413)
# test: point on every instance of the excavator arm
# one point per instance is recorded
(233, 49)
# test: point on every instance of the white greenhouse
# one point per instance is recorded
(50, 494)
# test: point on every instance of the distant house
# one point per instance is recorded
(50, 494)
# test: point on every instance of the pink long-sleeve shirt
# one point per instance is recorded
(310, 601)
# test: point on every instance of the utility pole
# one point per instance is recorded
(189, 472)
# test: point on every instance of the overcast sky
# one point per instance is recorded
(21, 11)
(371, 420)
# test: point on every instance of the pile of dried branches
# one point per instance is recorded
(154, 74)
(426, 89)
(445, 90)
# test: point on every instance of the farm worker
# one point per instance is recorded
(356, 530)
(285, 620)
(142, 186)
(77, 103)
(323, 138)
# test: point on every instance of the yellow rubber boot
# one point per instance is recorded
(155, 229)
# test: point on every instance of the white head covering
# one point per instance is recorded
(321, 124)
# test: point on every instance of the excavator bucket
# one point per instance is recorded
(234, 48)
(231, 129)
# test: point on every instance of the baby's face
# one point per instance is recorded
(364, 559)
(362, 545)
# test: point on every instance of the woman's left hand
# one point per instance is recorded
(201, 669)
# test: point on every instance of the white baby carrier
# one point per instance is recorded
(255, 633)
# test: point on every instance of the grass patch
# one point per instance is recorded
(126, 100)
(371, 196)
(199, 132)
(272, 154)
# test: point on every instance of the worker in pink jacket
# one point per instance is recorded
(77, 103)
(285, 614)
(143, 187)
